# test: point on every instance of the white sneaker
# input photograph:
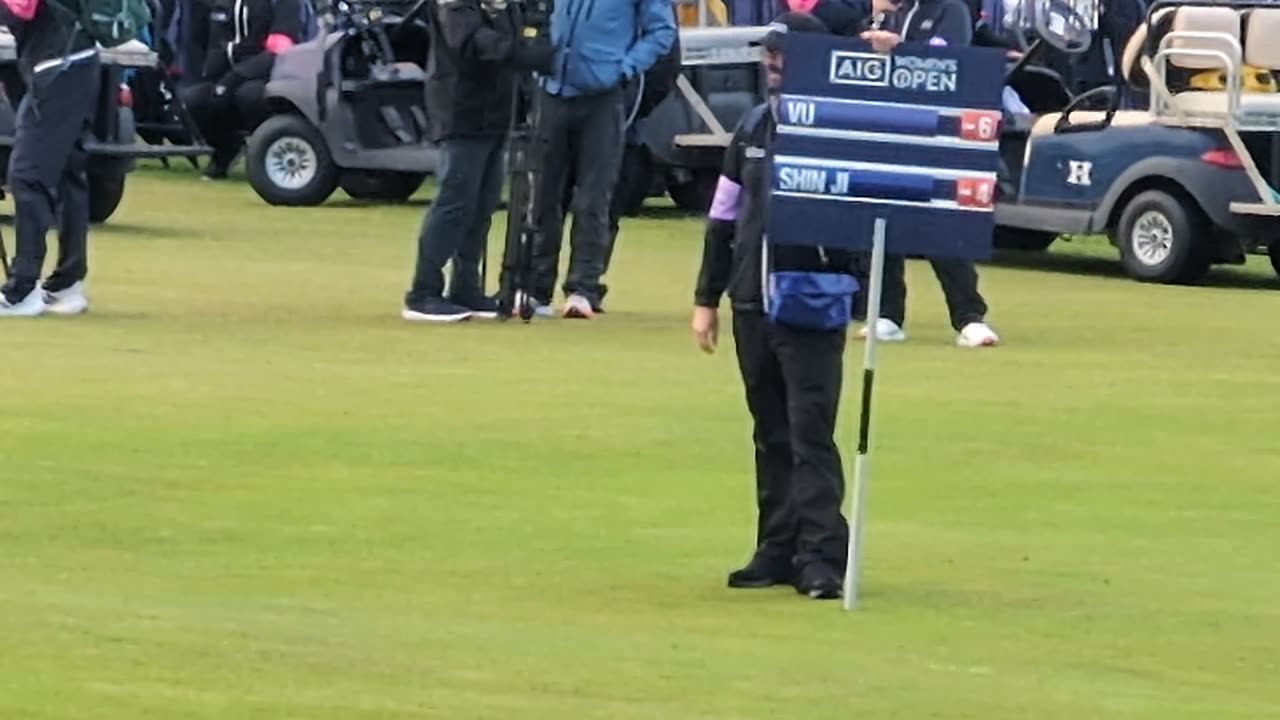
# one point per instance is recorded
(976, 335)
(71, 301)
(30, 306)
(886, 331)
(539, 310)
(579, 307)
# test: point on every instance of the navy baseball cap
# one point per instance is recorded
(789, 22)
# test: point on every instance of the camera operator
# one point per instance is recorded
(601, 46)
(229, 99)
(477, 50)
(60, 68)
(640, 99)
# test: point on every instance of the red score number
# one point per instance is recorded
(975, 192)
(979, 126)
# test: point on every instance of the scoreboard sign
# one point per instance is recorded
(912, 138)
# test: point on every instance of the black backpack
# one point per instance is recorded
(660, 80)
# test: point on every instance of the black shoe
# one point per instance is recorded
(820, 582)
(761, 572)
(434, 310)
(481, 307)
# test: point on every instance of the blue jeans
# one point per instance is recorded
(456, 226)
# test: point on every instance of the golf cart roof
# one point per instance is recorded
(131, 54)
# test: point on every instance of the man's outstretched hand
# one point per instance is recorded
(706, 328)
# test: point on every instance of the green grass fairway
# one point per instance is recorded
(242, 488)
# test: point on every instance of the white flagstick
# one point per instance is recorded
(862, 461)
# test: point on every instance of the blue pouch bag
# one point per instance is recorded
(810, 300)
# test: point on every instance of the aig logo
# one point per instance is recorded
(856, 68)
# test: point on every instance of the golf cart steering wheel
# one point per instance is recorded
(1059, 24)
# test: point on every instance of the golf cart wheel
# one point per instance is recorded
(695, 195)
(289, 163)
(1273, 252)
(381, 185)
(106, 190)
(1018, 239)
(1163, 239)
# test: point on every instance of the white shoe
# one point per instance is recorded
(976, 335)
(539, 310)
(71, 301)
(886, 331)
(579, 307)
(30, 306)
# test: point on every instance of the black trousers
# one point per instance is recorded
(48, 176)
(957, 276)
(586, 134)
(631, 158)
(456, 226)
(224, 119)
(792, 380)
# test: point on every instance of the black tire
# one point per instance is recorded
(289, 144)
(1273, 252)
(1163, 238)
(695, 195)
(1026, 240)
(636, 180)
(106, 190)
(380, 185)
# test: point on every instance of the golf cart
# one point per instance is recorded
(683, 140)
(113, 151)
(1179, 186)
(348, 110)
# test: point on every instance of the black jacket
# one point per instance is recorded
(470, 76)
(731, 253)
(924, 20)
(238, 31)
(43, 41)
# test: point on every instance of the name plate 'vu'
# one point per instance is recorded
(912, 137)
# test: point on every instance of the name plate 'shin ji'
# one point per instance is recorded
(940, 188)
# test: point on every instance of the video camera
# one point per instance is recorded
(526, 154)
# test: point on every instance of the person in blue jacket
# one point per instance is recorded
(601, 46)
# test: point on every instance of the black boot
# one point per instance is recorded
(763, 571)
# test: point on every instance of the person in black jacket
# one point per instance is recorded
(938, 23)
(792, 376)
(476, 50)
(60, 69)
(229, 98)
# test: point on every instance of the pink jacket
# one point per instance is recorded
(22, 9)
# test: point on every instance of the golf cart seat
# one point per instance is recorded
(1046, 124)
(1201, 51)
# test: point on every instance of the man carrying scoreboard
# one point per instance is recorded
(792, 373)
(946, 23)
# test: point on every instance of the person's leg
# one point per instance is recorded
(597, 162)
(50, 119)
(767, 401)
(959, 280)
(965, 305)
(813, 366)
(214, 117)
(251, 105)
(460, 175)
(64, 288)
(466, 286)
(553, 144)
(893, 296)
